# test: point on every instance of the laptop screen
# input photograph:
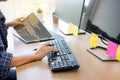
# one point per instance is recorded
(33, 30)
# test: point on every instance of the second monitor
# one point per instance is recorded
(102, 17)
(70, 12)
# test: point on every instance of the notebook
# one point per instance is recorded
(33, 31)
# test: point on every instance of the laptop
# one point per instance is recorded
(33, 31)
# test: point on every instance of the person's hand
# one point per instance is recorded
(16, 22)
(43, 51)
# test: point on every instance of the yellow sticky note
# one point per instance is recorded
(118, 53)
(70, 28)
(75, 31)
(93, 40)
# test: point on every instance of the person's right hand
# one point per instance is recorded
(43, 51)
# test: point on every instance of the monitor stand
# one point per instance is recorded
(65, 31)
(100, 52)
(63, 27)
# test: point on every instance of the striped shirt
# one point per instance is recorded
(5, 57)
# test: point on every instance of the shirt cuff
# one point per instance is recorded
(5, 62)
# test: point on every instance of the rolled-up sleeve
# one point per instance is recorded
(5, 60)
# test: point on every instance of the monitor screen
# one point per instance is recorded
(69, 10)
(103, 18)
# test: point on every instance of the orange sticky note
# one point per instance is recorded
(118, 53)
(93, 40)
(75, 31)
(70, 28)
(111, 49)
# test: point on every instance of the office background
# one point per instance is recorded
(16, 8)
(91, 67)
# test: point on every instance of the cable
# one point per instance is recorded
(103, 40)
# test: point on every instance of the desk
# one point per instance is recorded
(91, 68)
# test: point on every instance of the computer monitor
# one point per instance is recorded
(103, 18)
(69, 11)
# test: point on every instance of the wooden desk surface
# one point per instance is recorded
(91, 68)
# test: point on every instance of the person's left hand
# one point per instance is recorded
(16, 22)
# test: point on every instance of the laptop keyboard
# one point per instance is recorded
(27, 36)
(63, 60)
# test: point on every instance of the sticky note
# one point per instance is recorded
(93, 40)
(111, 49)
(75, 31)
(70, 28)
(118, 53)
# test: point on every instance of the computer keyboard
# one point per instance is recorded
(63, 60)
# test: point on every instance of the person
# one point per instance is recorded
(8, 60)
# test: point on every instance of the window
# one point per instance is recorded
(25, 7)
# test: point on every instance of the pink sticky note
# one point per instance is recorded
(112, 48)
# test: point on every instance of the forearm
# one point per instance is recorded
(8, 24)
(20, 60)
(39, 54)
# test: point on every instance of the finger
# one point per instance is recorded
(46, 44)
(51, 49)
(20, 19)
(20, 24)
